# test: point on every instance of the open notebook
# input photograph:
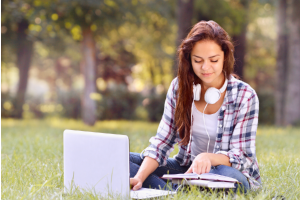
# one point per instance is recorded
(208, 180)
(204, 180)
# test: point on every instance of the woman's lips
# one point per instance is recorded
(206, 74)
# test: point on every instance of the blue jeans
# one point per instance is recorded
(173, 167)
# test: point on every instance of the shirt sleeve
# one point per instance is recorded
(242, 144)
(162, 144)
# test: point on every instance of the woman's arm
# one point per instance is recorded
(203, 162)
(157, 153)
(242, 149)
(148, 166)
(162, 144)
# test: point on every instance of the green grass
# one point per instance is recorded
(32, 158)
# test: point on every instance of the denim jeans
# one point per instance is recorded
(173, 167)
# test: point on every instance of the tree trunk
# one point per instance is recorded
(292, 107)
(240, 43)
(89, 71)
(24, 54)
(184, 22)
(282, 62)
(240, 51)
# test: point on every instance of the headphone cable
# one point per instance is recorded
(205, 128)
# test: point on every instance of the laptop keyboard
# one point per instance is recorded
(145, 193)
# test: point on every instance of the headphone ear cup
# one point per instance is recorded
(197, 92)
(212, 95)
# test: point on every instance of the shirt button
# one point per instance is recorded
(223, 107)
(231, 159)
(217, 146)
(220, 125)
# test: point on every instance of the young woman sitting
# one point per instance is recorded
(208, 112)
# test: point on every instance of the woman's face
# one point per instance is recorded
(207, 60)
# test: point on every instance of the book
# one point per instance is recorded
(204, 183)
(204, 180)
(206, 176)
(207, 180)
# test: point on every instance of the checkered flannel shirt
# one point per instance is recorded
(236, 131)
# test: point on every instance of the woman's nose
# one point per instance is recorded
(205, 65)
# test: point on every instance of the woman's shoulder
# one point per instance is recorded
(238, 89)
(174, 86)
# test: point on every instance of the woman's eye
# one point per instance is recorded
(214, 61)
(198, 61)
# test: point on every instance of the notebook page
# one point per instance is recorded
(181, 176)
(217, 177)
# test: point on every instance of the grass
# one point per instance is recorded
(32, 158)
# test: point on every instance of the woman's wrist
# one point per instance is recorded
(217, 159)
(140, 177)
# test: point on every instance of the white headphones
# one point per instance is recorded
(212, 95)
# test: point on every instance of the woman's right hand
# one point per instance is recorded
(136, 183)
(147, 167)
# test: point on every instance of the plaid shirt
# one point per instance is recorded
(236, 131)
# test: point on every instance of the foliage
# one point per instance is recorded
(155, 106)
(266, 107)
(7, 105)
(135, 46)
(32, 158)
(70, 104)
(261, 45)
(118, 103)
(228, 14)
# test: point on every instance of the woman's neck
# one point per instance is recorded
(217, 84)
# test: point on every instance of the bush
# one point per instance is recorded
(7, 105)
(266, 108)
(118, 103)
(71, 104)
(155, 106)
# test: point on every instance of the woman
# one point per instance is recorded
(210, 114)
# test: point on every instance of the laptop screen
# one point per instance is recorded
(96, 162)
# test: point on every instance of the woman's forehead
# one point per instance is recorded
(206, 49)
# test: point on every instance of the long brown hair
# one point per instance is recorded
(203, 30)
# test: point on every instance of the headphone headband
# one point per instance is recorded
(224, 86)
(212, 95)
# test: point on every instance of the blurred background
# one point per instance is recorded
(114, 59)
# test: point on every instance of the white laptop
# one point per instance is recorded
(99, 163)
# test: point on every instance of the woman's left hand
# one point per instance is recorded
(200, 165)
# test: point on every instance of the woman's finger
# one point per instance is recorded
(137, 186)
(189, 170)
(196, 168)
(208, 168)
(203, 168)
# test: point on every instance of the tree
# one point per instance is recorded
(240, 42)
(24, 55)
(184, 18)
(15, 13)
(288, 67)
(282, 62)
(82, 19)
(89, 72)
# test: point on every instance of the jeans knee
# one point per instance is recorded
(233, 173)
(135, 158)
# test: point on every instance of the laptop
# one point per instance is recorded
(99, 163)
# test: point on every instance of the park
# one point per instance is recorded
(106, 66)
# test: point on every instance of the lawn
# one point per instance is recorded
(32, 158)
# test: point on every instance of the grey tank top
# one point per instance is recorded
(199, 135)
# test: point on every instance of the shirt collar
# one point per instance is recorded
(231, 91)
